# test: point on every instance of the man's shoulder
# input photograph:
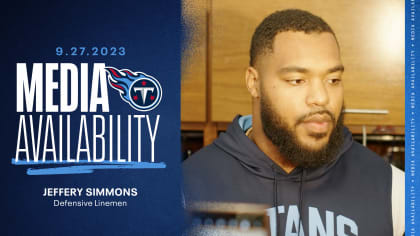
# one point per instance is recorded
(367, 164)
(381, 177)
(203, 157)
(364, 155)
(208, 175)
(207, 160)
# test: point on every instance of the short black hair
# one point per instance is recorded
(280, 21)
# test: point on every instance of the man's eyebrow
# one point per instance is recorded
(298, 69)
(293, 69)
(336, 68)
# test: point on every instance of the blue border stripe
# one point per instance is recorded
(411, 132)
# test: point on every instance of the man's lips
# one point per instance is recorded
(317, 123)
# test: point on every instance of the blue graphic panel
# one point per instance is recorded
(91, 118)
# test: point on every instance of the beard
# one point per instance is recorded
(287, 143)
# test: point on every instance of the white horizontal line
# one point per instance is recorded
(366, 111)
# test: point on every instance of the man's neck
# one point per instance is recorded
(266, 146)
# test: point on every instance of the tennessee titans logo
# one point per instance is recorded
(141, 91)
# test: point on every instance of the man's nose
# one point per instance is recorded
(317, 93)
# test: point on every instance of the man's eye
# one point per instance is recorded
(334, 81)
(296, 81)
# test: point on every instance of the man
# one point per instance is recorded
(294, 152)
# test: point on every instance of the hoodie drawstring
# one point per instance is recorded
(302, 176)
(275, 202)
(302, 179)
(275, 205)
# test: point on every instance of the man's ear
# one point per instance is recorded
(252, 82)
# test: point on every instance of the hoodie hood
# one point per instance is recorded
(239, 146)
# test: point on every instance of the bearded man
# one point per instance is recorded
(294, 152)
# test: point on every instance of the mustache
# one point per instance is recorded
(307, 116)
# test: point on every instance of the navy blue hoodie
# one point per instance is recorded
(350, 196)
